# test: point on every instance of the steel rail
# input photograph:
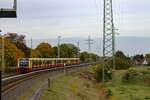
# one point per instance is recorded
(11, 83)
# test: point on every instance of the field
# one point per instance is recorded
(81, 85)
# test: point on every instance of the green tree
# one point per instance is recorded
(45, 49)
(147, 57)
(138, 57)
(120, 54)
(54, 51)
(94, 57)
(68, 50)
(84, 57)
(121, 61)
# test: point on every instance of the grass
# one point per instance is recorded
(81, 86)
(71, 87)
(132, 91)
(30, 92)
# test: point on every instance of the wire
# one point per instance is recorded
(97, 10)
(98, 22)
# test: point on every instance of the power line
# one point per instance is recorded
(31, 43)
(58, 47)
(89, 46)
(78, 45)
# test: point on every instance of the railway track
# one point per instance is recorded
(11, 83)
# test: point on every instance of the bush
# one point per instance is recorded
(109, 93)
(137, 76)
(122, 63)
(99, 71)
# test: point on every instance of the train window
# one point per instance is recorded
(50, 62)
(24, 63)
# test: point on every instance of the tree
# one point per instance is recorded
(34, 53)
(45, 49)
(147, 57)
(121, 61)
(54, 51)
(84, 57)
(12, 53)
(138, 57)
(68, 50)
(94, 57)
(120, 54)
(19, 41)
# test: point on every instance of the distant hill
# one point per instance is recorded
(129, 45)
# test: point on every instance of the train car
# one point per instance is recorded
(31, 64)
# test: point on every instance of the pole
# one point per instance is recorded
(49, 83)
(58, 47)
(89, 47)
(113, 43)
(103, 74)
(31, 43)
(108, 35)
(78, 43)
(15, 5)
(3, 55)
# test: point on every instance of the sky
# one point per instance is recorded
(129, 45)
(75, 18)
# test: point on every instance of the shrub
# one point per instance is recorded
(109, 93)
(121, 64)
(137, 76)
(99, 71)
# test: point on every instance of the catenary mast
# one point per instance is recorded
(108, 36)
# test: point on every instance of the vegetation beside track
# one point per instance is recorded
(75, 86)
(135, 88)
(81, 85)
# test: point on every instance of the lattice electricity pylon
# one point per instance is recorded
(108, 36)
(9, 12)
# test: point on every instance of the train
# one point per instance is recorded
(31, 64)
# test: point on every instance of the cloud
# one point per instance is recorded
(73, 18)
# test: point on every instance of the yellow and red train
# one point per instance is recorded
(31, 64)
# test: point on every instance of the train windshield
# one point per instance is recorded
(24, 63)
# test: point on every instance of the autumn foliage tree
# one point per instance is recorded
(12, 53)
(19, 41)
(45, 49)
(34, 53)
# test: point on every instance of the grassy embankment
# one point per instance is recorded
(81, 85)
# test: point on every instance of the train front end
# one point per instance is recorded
(23, 65)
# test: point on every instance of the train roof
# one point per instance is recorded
(51, 58)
